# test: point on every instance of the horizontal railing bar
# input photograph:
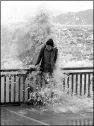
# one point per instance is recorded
(12, 75)
(11, 103)
(32, 69)
(10, 70)
(64, 70)
(77, 72)
(78, 68)
(63, 73)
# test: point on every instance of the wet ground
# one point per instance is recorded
(26, 115)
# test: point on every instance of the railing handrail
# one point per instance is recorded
(65, 68)
(10, 70)
(77, 68)
(15, 70)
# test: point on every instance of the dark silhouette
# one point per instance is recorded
(47, 57)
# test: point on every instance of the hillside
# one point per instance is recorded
(77, 18)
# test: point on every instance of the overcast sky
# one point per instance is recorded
(20, 9)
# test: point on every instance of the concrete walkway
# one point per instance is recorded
(26, 115)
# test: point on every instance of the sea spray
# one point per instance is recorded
(53, 94)
(58, 100)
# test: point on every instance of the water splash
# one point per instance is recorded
(58, 100)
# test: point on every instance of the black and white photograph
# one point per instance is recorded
(47, 63)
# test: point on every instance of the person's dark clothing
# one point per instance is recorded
(47, 58)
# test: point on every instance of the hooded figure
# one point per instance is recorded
(47, 57)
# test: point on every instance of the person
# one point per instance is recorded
(47, 58)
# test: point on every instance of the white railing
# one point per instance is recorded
(79, 81)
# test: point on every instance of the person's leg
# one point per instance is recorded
(46, 78)
(43, 79)
(51, 79)
(39, 79)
